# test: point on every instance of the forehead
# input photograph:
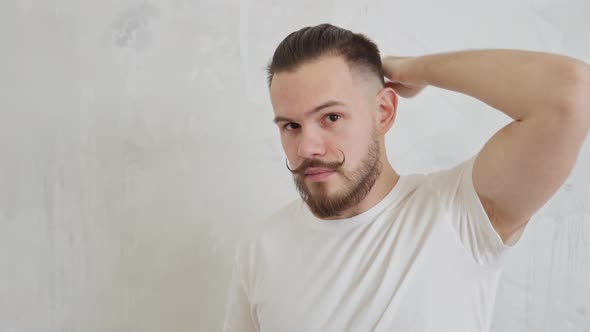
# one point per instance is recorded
(328, 78)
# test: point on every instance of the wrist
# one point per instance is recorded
(417, 70)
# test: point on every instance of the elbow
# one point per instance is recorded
(575, 102)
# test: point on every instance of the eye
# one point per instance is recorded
(333, 117)
(291, 126)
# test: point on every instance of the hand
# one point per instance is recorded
(397, 71)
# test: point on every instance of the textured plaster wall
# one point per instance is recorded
(136, 144)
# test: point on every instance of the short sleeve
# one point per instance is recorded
(239, 315)
(456, 193)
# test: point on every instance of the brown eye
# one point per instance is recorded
(333, 117)
(291, 126)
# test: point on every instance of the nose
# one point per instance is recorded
(311, 145)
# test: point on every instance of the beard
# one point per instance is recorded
(357, 184)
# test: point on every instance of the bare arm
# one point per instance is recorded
(547, 95)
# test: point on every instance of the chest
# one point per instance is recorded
(387, 274)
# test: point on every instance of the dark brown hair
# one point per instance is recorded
(310, 43)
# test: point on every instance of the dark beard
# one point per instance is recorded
(361, 181)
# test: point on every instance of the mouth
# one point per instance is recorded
(319, 175)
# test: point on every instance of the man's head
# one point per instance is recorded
(333, 109)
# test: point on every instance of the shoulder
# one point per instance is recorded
(450, 177)
(273, 223)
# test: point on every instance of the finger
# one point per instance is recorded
(390, 84)
(390, 66)
(402, 90)
(389, 72)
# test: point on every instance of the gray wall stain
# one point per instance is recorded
(130, 29)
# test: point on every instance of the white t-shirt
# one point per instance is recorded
(425, 258)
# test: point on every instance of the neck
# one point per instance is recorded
(383, 185)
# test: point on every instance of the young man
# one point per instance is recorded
(369, 250)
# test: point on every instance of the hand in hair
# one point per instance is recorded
(399, 76)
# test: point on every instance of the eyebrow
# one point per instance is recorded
(316, 109)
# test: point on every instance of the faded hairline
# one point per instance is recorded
(359, 71)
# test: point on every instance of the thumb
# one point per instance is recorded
(404, 91)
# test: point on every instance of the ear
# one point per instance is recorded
(386, 101)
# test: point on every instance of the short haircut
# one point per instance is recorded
(311, 43)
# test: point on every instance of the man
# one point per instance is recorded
(369, 250)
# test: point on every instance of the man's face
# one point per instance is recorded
(327, 120)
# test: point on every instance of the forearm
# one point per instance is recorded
(519, 83)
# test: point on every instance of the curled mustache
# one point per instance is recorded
(307, 163)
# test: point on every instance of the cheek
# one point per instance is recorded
(289, 147)
(357, 151)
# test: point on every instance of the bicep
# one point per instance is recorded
(523, 165)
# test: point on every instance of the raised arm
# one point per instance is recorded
(548, 96)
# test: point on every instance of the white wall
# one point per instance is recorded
(136, 143)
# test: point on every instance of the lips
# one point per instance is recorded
(319, 176)
(315, 171)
